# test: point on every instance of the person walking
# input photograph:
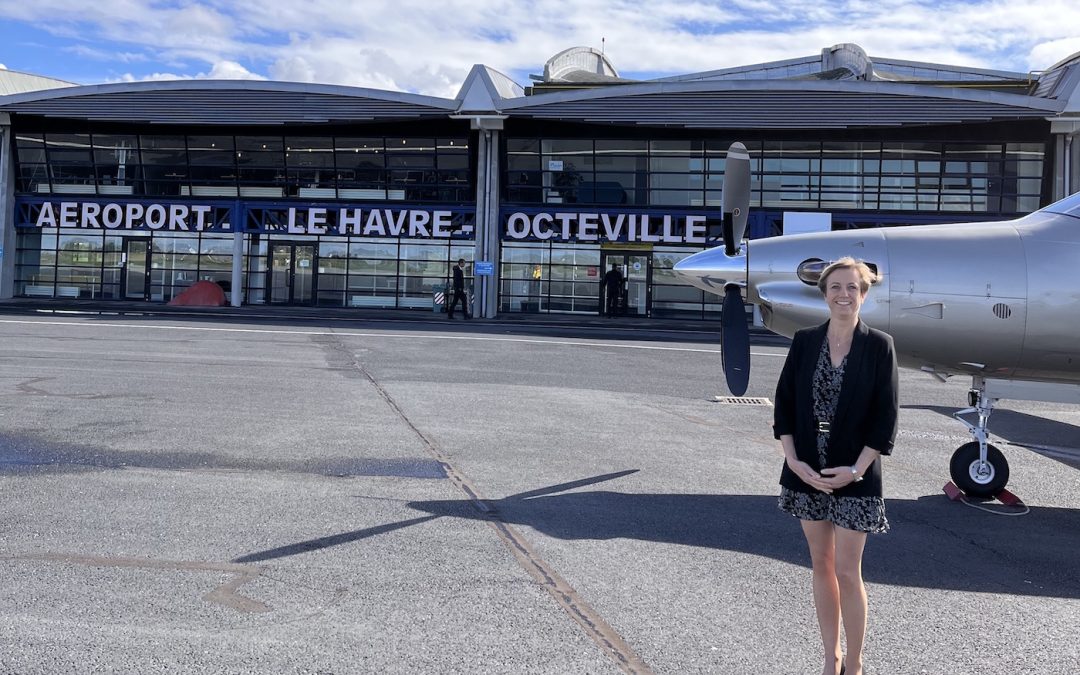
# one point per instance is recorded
(459, 292)
(835, 416)
(613, 284)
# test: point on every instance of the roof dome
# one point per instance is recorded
(579, 64)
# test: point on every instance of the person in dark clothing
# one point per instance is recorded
(613, 283)
(459, 292)
(835, 415)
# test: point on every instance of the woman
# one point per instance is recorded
(835, 415)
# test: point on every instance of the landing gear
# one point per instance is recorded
(978, 468)
(976, 476)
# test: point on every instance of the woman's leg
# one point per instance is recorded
(849, 553)
(820, 536)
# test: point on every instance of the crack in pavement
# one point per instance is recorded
(599, 630)
(226, 594)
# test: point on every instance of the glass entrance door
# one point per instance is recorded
(292, 273)
(136, 264)
(636, 269)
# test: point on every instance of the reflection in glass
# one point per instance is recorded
(136, 252)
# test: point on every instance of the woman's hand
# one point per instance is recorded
(806, 474)
(837, 477)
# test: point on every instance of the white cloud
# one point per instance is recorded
(413, 45)
(293, 69)
(1047, 54)
(128, 77)
(230, 70)
(222, 70)
(106, 55)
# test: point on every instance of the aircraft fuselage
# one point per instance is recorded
(996, 300)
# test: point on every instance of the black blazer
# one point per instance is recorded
(866, 412)
(459, 279)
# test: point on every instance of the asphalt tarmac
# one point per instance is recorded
(254, 495)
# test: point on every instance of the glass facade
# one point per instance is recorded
(103, 264)
(157, 266)
(542, 277)
(547, 277)
(672, 298)
(262, 180)
(929, 177)
(931, 180)
(624, 172)
(266, 169)
(351, 272)
(406, 168)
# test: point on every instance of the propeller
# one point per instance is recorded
(735, 201)
(735, 341)
(734, 333)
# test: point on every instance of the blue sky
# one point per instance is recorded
(428, 47)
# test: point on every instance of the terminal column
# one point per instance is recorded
(487, 233)
(7, 209)
(1066, 132)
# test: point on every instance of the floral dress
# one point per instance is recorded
(863, 514)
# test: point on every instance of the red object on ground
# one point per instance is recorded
(1009, 499)
(952, 491)
(200, 294)
(1005, 497)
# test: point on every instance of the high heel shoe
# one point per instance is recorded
(843, 668)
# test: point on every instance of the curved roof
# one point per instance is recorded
(233, 102)
(853, 59)
(839, 88)
(14, 82)
(788, 104)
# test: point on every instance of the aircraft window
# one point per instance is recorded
(1070, 206)
(810, 270)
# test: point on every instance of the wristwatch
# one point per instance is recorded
(855, 477)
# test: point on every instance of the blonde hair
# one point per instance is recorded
(867, 276)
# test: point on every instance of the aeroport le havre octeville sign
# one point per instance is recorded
(408, 221)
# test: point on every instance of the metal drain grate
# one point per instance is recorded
(742, 400)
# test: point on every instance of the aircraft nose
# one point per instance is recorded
(712, 270)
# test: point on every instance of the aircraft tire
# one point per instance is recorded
(965, 472)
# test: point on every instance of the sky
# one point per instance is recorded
(428, 47)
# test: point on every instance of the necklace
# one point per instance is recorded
(839, 343)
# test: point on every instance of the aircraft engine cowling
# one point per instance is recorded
(957, 297)
(787, 302)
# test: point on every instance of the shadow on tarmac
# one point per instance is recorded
(934, 543)
(1030, 431)
(31, 455)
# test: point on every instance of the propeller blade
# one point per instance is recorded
(735, 341)
(735, 200)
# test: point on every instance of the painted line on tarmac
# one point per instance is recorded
(346, 319)
(410, 336)
(600, 631)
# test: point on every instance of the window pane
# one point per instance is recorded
(259, 143)
(31, 148)
(523, 145)
(68, 148)
(164, 150)
(316, 151)
(624, 146)
(211, 150)
(1034, 151)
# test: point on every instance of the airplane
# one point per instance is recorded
(997, 301)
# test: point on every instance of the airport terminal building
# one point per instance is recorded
(304, 194)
